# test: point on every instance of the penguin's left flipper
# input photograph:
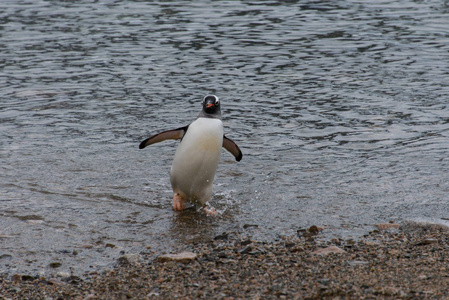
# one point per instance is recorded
(174, 134)
(232, 147)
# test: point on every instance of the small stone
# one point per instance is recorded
(223, 236)
(309, 232)
(390, 291)
(315, 229)
(386, 226)
(16, 277)
(63, 274)
(55, 264)
(427, 241)
(244, 250)
(183, 257)
(250, 225)
(91, 297)
(358, 263)
(297, 249)
(301, 232)
(35, 222)
(246, 242)
(55, 281)
(422, 227)
(109, 245)
(130, 259)
(370, 243)
(153, 294)
(329, 250)
(21, 277)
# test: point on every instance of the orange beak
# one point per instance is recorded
(209, 105)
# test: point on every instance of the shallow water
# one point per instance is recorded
(339, 108)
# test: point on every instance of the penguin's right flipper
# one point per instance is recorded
(174, 134)
(232, 147)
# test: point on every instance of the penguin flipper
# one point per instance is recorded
(174, 134)
(232, 147)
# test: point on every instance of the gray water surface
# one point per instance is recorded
(340, 109)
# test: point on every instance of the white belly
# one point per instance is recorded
(196, 160)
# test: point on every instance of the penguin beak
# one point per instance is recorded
(209, 105)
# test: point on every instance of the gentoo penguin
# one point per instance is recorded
(196, 158)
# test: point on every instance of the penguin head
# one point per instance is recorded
(211, 105)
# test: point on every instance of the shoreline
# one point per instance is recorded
(409, 261)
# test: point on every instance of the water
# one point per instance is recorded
(339, 108)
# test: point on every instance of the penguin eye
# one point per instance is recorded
(217, 101)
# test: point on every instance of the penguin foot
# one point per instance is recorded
(179, 203)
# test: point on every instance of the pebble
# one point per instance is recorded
(315, 229)
(223, 236)
(245, 226)
(55, 264)
(5, 256)
(56, 281)
(184, 257)
(371, 243)
(245, 242)
(427, 241)
(63, 274)
(358, 263)
(35, 222)
(244, 250)
(297, 249)
(386, 226)
(309, 232)
(22, 277)
(329, 250)
(130, 259)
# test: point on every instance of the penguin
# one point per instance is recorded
(196, 159)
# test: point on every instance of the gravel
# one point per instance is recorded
(410, 261)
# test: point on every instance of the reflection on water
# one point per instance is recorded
(340, 110)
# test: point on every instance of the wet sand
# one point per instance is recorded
(409, 262)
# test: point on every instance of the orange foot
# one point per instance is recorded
(179, 203)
